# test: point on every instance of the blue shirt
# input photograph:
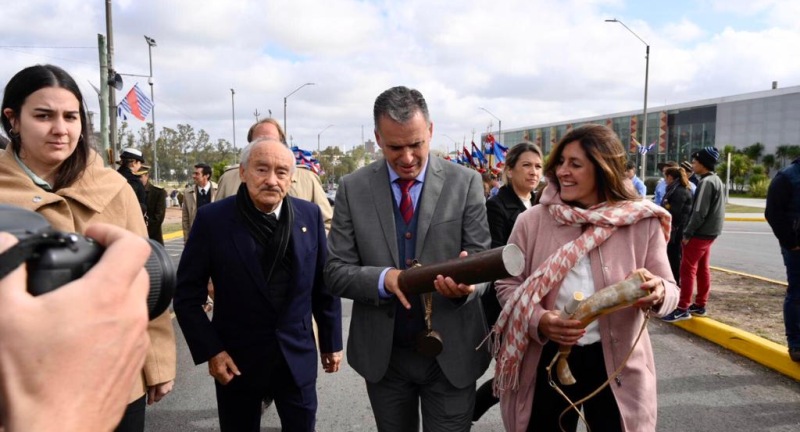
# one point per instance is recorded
(415, 192)
(639, 185)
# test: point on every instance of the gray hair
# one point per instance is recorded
(400, 104)
(245, 156)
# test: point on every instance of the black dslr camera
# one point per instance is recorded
(55, 258)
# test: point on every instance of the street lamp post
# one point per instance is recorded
(646, 73)
(233, 117)
(285, 127)
(320, 134)
(499, 124)
(150, 44)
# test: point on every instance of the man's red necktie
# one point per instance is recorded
(406, 205)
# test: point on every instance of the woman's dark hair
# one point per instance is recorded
(678, 174)
(605, 151)
(517, 150)
(30, 80)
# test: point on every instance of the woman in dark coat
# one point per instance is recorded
(520, 191)
(678, 201)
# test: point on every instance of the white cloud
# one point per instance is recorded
(528, 61)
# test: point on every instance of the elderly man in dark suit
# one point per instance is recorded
(264, 252)
(410, 206)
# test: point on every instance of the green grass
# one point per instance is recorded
(733, 208)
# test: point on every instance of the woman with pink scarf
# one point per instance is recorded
(590, 231)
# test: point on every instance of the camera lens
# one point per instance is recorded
(163, 279)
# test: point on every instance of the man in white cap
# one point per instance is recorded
(130, 161)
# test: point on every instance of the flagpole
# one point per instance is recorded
(150, 44)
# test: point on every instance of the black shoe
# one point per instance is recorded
(697, 310)
(794, 353)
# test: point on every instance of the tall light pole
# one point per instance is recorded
(320, 134)
(285, 127)
(233, 117)
(150, 44)
(646, 72)
(499, 123)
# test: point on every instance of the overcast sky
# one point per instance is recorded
(527, 61)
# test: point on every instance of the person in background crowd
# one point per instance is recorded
(47, 335)
(638, 184)
(590, 230)
(687, 166)
(678, 201)
(783, 215)
(203, 192)
(305, 183)
(50, 159)
(264, 252)
(661, 186)
(522, 172)
(404, 207)
(130, 161)
(156, 200)
(705, 225)
(496, 184)
(486, 178)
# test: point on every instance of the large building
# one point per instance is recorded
(770, 117)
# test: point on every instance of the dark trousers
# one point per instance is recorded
(413, 382)
(588, 368)
(239, 402)
(791, 303)
(675, 254)
(133, 419)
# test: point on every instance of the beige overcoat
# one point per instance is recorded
(100, 195)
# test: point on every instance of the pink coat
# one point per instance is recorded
(641, 245)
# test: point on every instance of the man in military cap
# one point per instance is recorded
(130, 161)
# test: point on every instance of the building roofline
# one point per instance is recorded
(684, 105)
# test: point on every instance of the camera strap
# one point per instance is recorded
(24, 250)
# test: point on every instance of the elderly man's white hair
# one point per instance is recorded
(247, 150)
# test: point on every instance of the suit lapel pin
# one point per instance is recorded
(303, 229)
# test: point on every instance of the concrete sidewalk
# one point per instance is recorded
(747, 217)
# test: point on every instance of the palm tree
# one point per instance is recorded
(754, 151)
(768, 161)
(781, 152)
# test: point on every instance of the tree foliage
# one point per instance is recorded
(179, 149)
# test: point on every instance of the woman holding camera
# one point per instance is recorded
(51, 168)
(589, 230)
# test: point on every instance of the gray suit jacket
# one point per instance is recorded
(363, 241)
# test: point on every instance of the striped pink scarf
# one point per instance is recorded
(511, 327)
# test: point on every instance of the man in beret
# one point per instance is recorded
(705, 224)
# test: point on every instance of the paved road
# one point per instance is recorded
(701, 386)
(749, 247)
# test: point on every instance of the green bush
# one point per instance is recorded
(758, 189)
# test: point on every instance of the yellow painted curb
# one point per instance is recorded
(173, 235)
(756, 348)
(744, 219)
(750, 275)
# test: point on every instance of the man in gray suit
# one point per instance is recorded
(409, 207)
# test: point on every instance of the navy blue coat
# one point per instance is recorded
(245, 323)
